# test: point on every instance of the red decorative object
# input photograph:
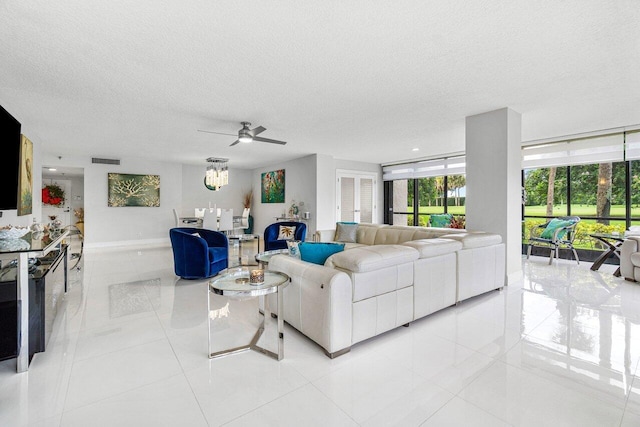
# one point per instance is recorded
(52, 194)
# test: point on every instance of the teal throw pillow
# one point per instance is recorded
(440, 220)
(553, 225)
(318, 253)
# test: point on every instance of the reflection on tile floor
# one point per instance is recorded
(561, 347)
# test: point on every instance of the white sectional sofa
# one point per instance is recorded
(388, 277)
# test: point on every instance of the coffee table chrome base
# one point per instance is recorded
(253, 345)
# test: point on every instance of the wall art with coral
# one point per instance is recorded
(134, 190)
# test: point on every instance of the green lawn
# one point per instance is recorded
(455, 210)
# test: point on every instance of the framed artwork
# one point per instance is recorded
(272, 187)
(133, 190)
(25, 180)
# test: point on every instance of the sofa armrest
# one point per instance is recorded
(324, 235)
(317, 302)
(629, 246)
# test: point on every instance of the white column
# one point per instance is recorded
(493, 201)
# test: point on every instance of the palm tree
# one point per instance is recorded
(456, 182)
(550, 190)
(603, 196)
(440, 187)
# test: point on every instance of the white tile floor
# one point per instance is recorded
(561, 348)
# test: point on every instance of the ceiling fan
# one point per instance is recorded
(247, 135)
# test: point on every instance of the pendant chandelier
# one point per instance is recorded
(217, 173)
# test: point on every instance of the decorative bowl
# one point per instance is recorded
(9, 245)
(13, 232)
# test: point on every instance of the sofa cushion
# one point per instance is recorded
(440, 220)
(433, 247)
(318, 253)
(346, 232)
(553, 225)
(366, 233)
(477, 239)
(370, 258)
(394, 235)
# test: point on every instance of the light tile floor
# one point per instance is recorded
(560, 348)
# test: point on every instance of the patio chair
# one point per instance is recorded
(555, 234)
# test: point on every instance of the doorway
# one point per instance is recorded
(71, 181)
(356, 194)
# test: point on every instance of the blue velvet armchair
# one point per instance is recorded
(272, 231)
(198, 256)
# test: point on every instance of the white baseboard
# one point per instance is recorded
(162, 242)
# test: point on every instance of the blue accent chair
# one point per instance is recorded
(271, 241)
(198, 257)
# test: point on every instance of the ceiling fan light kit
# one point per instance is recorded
(246, 135)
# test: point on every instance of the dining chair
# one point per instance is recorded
(176, 217)
(226, 221)
(199, 213)
(210, 220)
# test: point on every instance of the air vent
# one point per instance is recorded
(105, 161)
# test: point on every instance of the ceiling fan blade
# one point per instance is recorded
(257, 130)
(237, 141)
(271, 141)
(219, 133)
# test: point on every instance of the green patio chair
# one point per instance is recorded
(555, 234)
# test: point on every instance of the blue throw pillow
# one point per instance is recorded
(553, 225)
(318, 253)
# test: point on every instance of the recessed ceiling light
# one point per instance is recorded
(416, 149)
(53, 169)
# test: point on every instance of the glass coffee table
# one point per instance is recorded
(241, 239)
(264, 257)
(234, 283)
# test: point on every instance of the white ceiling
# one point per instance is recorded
(361, 80)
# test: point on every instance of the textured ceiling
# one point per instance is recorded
(361, 80)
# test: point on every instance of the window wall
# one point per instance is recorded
(606, 197)
(412, 201)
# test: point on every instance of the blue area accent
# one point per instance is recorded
(198, 257)
(271, 241)
(318, 253)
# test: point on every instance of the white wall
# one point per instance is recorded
(109, 226)
(300, 185)
(311, 179)
(325, 215)
(196, 195)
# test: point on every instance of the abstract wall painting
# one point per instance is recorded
(133, 190)
(272, 186)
